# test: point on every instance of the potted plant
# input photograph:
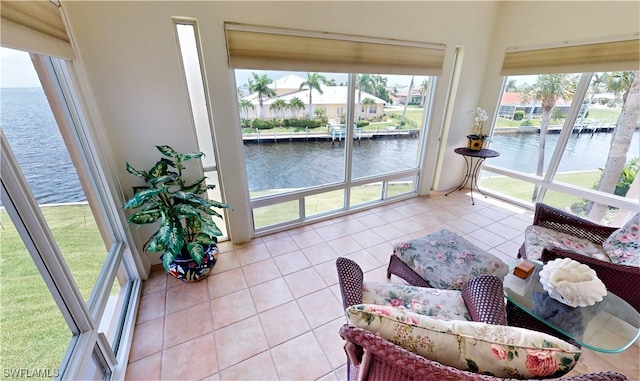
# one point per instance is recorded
(187, 234)
(476, 141)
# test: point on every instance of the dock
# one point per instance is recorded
(334, 135)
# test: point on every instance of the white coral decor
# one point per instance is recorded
(572, 283)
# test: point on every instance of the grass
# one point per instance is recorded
(33, 332)
(523, 190)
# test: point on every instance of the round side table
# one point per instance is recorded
(473, 168)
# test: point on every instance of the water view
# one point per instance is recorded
(289, 163)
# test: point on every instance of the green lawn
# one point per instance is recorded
(33, 332)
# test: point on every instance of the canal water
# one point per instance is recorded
(32, 132)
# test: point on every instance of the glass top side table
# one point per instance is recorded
(609, 326)
(471, 175)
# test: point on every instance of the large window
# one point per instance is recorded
(330, 123)
(570, 141)
(69, 281)
(306, 157)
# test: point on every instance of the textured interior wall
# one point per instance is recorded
(129, 52)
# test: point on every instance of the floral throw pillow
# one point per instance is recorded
(434, 302)
(623, 246)
(496, 350)
(536, 238)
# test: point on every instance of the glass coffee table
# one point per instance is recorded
(610, 326)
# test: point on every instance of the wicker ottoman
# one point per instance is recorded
(442, 260)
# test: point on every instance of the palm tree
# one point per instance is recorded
(296, 104)
(364, 82)
(314, 81)
(278, 106)
(627, 83)
(246, 105)
(547, 89)
(367, 102)
(424, 87)
(406, 102)
(260, 84)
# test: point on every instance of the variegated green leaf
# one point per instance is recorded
(167, 258)
(197, 187)
(159, 169)
(190, 155)
(167, 151)
(145, 216)
(164, 179)
(141, 197)
(175, 239)
(211, 229)
(205, 240)
(135, 172)
(196, 251)
(186, 210)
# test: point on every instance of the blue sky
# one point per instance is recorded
(16, 69)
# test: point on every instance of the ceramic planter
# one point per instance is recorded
(187, 270)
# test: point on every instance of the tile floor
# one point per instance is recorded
(272, 308)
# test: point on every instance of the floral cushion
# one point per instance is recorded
(623, 245)
(437, 303)
(448, 261)
(496, 350)
(537, 238)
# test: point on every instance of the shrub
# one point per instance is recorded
(245, 123)
(311, 123)
(518, 115)
(526, 123)
(262, 124)
(362, 123)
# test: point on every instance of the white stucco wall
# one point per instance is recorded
(129, 52)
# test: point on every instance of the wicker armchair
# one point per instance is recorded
(623, 281)
(370, 357)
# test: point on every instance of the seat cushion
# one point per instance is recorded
(448, 261)
(623, 245)
(497, 350)
(536, 238)
(437, 303)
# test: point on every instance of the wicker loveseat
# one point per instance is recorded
(371, 357)
(622, 280)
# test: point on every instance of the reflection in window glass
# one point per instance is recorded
(34, 334)
(110, 324)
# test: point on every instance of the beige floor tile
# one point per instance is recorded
(196, 359)
(281, 246)
(304, 282)
(152, 306)
(181, 294)
(232, 308)
(227, 260)
(330, 232)
(307, 238)
(239, 341)
(345, 245)
(331, 342)
(283, 323)
(270, 294)
(321, 307)
(226, 283)
(260, 272)
(292, 262)
(157, 281)
(252, 253)
(187, 324)
(367, 238)
(319, 253)
(148, 368)
(292, 359)
(146, 340)
(257, 368)
(327, 271)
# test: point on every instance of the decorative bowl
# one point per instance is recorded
(572, 283)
